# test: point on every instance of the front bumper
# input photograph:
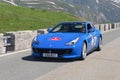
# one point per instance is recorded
(61, 53)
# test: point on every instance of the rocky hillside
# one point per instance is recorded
(101, 9)
(97, 11)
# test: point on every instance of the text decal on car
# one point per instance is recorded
(55, 38)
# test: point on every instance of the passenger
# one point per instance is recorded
(65, 29)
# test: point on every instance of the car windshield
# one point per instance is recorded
(69, 27)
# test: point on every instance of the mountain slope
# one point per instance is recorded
(14, 18)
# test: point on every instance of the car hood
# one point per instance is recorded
(57, 39)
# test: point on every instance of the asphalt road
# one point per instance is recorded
(21, 66)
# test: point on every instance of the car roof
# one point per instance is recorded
(74, 22)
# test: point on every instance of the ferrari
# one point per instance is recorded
(67, 40)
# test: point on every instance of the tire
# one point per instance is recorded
(84, 51)
(99, 45)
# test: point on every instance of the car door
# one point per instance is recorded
(91, 37)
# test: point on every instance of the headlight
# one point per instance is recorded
(35, 40)
(72, 42)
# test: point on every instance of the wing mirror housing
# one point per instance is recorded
(49, 29)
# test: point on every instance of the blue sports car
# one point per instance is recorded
(67, 40)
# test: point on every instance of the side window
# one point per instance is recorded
(89, 26)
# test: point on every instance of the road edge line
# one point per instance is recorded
(10, 53)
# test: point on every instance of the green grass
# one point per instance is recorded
(14, 18)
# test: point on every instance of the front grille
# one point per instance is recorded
(58, 51)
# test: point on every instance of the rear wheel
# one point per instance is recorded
(99, 45)
(83, 52)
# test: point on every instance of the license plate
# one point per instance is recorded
(50, 55)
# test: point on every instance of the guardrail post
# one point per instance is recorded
(112, 26)
(2, 48)
(99, 27)
(115, 26)
(119, 25)
(104, 27)
(9, 41)
(109, 26)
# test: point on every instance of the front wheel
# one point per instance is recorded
(83, 52)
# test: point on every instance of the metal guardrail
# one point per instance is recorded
(13, 41)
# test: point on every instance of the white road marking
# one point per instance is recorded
(11, 53)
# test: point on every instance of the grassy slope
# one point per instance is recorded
(14, 18)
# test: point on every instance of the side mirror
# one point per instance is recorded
(49, 29)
